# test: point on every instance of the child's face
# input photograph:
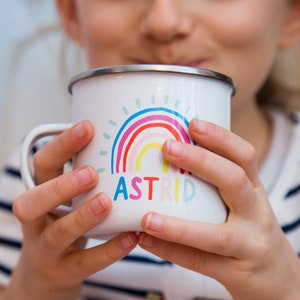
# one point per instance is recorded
(237, 37)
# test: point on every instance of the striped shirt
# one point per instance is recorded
(141, 275)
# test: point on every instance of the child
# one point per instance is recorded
(249, 255)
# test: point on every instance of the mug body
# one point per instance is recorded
(134, 110)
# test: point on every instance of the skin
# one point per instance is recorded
(238, 38)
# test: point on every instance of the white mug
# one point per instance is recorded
(134, 110)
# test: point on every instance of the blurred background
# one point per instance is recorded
(36, 63)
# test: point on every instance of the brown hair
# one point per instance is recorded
(282, 88)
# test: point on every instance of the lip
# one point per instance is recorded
(197, 64)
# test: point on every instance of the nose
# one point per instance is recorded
(166, 20)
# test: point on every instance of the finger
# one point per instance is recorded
(231, 180)
(92, 260)
(37, 202)
(206, 263)
(226, 144)
(50, 159)
(213, 238)
(66, 230)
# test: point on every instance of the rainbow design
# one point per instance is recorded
(144, 131)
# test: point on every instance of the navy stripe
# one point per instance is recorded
(11, 243)
(135, 292)
(12, 172)
(289, 227)
(293, 191)
(145, 260)
(5, 206)
(5, 270)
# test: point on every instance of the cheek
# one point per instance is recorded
(102, 35)
(250, 43)
(246, 35)
(249, 23)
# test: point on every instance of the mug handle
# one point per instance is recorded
(26, 149)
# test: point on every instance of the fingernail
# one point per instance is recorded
(80, 130)
(154, 222)
(146, 240)
(99, 204)
(84, 176)
(175, 148)
(200, 126)
(128, 240)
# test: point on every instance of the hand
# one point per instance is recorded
(53, 261)
(248, 254)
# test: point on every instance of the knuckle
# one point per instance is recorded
(113, 251)
(262, 247)
(198, 261)
(249, 154)
(42, 166)
(49, 240)
(263, 241)
(203, 262)
(86, 264)
(112, 256)
(22, 209)
(223, 241)
(79, 220)
(221, 135)
(38, 160)
(19, 210)
(200, 154)
(239, 179)
(55, 190)
(195, 158)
